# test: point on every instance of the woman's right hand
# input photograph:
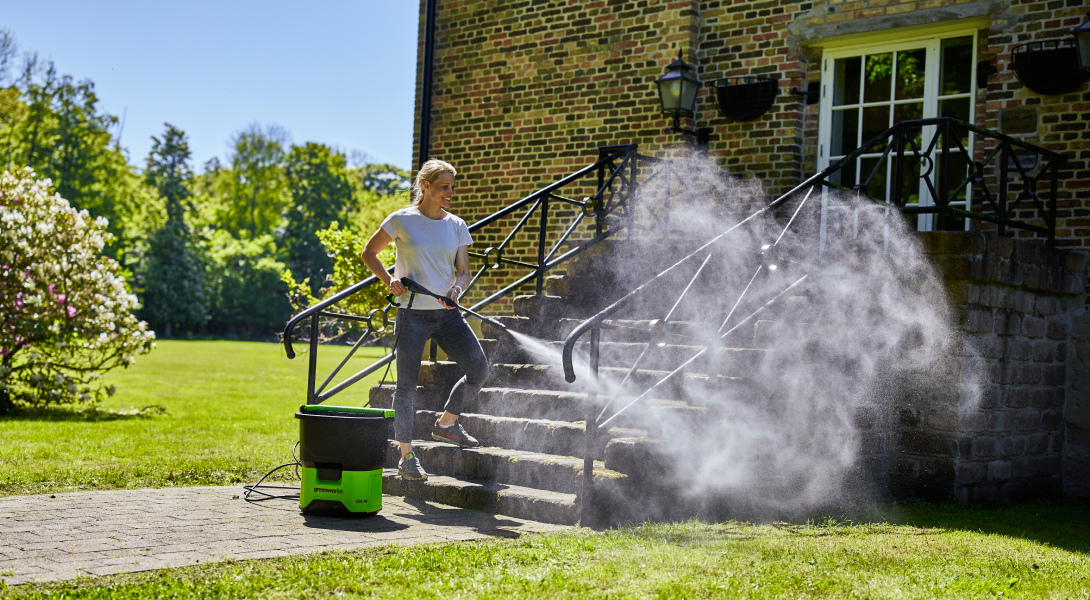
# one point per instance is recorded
(395, 287)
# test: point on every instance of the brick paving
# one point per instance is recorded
(75, 534)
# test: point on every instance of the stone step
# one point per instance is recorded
(562, 438)
(503, 499)
(551, 377)
(506, 466)
(552, 405)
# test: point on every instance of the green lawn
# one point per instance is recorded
(189, 413)
(917, 551)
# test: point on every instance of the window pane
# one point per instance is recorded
(910, 180)
(911, 67)
(875, 121)
(846, 90)
(957, 65)
(876, 86)
(870, 168)
(844, 176)
(845, 131)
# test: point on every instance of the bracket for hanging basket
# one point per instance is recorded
(1049, 67)
(745, 98)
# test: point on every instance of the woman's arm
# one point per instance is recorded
(376, 244)
(462, 278)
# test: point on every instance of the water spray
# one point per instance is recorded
(416, 288)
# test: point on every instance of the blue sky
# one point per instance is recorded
(335, 72)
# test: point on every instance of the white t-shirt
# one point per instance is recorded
(426, 249)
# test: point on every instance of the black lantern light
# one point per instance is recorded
(677, 93)
(1082, 44)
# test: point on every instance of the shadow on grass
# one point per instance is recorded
(87, 414)
(1061, 523)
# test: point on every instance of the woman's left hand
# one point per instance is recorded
(453, 294)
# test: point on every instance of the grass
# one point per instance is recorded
(916, 551)
(189, 413)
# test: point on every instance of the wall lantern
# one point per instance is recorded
(1082, 43)
(677, 93)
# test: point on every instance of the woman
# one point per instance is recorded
(433, 250)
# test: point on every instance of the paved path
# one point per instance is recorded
(44, 538)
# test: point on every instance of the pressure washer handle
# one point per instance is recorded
(413, 286)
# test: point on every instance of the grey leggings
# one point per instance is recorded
(452, 333)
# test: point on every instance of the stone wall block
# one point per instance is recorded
(1029, 252)
(954, 267)
(972, 293)
(1054, 374)
(1041, 350)
(943, 420)
(1007, 323)
(985, 493)
(1018, 349)
(1046, 305)
(999, 421)
(985, 446)
(1016, 397)
(1022, 467)
(1014, 445)
(1033, 277)
(966, 473)
(1060, 397)
(1056, 442)
(1042, 397)
(1052, 420)
(1061, 352)
(1037, 443)
(909, 416)
(987, 345)
(942, 242)
(1056, 329)
(919, 443)
(999, 470)
(988, 269)
(1076, 261)
(1046, 466)
(1022, 301)
(1022, 372)
(965, 447)
(995, 297)
(1073, 283)
(972, 421)
(1034, 327)
(1027, 420)
(989, 396)
(1000, 246)
(1011, 273)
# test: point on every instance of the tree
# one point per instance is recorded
(320, 195)
(382, 179)
(172, 273)
(257, 196)
(66, 316)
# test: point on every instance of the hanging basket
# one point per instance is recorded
(745, 98)
(1049, 67)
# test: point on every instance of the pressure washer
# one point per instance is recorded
(342, 449)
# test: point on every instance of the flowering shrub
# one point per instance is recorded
(65, 314)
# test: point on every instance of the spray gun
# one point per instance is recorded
(415, 287)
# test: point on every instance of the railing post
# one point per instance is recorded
(586, 502)
(544, 218)
(1052, 204)
(313, 358)
(1004, 156)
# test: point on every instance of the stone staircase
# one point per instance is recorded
(531, 423)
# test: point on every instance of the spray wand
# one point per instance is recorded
(415, 287)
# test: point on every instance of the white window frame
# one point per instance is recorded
(893, 41)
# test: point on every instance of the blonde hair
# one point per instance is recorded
(429, 172)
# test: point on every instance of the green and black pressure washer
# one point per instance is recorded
(342, 450)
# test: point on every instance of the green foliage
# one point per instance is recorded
(172, 272)
(66, 316)
(381, 179)
(246, 295)
(258, 190)
(320, 196)
(52, 124)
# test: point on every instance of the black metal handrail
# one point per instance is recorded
(606, 202)
(899, 137)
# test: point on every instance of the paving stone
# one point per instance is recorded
(187, 526)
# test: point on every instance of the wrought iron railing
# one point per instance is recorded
(610, 207)
(901, 146)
